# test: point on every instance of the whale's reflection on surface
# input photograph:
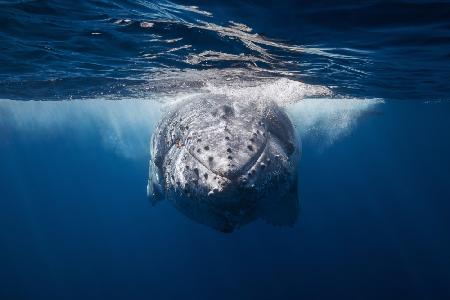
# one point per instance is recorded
(225, 163)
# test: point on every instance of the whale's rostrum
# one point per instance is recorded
(224, 162)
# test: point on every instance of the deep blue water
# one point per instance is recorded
(75, 222)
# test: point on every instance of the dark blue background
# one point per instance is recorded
(75, 222)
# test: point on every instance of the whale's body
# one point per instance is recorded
(225, 163)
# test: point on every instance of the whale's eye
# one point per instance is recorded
(290, 148)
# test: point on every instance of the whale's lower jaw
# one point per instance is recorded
(226, 203)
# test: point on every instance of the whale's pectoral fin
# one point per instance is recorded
(155, 191)
(283, 211)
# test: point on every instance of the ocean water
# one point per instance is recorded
(83, 84)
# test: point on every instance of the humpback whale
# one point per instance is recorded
(225, 163)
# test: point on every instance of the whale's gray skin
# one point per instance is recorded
(225, 163)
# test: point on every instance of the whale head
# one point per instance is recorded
(225, 163)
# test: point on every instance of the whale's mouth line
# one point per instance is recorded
(244, 169)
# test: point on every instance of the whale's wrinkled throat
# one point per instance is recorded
(225, 162)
